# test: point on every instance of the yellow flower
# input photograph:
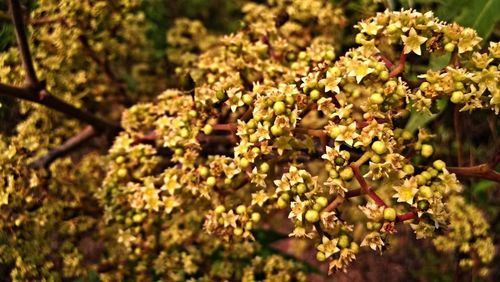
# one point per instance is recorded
(407, 191)
(412, 42)
(360, 70)
(259, 198)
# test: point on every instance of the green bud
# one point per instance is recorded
(312, 216)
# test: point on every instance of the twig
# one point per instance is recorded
(70, 144)
(485, 171)
(43, 97)
(17, 19)
(400, 67)
(406, 216)
(364, 186)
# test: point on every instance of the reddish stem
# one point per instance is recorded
(400, 67)
(406, 216)
(365, 188)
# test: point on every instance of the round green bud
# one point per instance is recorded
(137, 218)
(285, 196)
(459, 85)
(339, 161)
(203, 170)
(192, 113)
(207, 129)
(425, 191)
(344, 241)
(439, 164)
(302, 55)
(449, 47)
(264, 167)
(330, 55)
(433, 172)
(289, 100)
(255, 217)
(457, 97)
(122, 172)
(390, 214)
(427, 175)
(179, 151)
(347, 173)
(241, 209)
(376, 158)
(424, 86)
(276, 130)
(369, 225)
(377, 98)
(301, 188)
(320, 256)
(333, 173)
(279, 107)
(248, 225)
(247, 99)
(317, 207)
(384, 75)
(322, 201)
(315, 94)
(120, 159)
(312, 216)
(420, 179)
(211, 181)
(220, 209)
(379, 147)
(427, 150)
(423, 205)
(282, 203)
(354, 247)
(244, 163)
(406, 135)
(238, 231)
(408, 169)
(377, 226)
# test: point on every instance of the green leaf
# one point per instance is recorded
(418, 120)
(481, 15)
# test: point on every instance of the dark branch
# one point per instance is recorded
(68, 146)
(45, 98)
(485, 171)
(17, 19)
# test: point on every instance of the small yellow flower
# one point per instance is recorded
(412, 42)
(406, 192)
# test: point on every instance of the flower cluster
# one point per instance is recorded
(275, 122)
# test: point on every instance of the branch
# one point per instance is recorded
(22, 42)
(43, 97)
(485, 171)
(400, 67)
(70, 144)
(364, 186)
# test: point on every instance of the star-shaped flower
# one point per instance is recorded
(412, 42)
(406, 192)
(259, 198)
(360, 70)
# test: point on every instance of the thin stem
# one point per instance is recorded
(364, 186)
(400, 67)
(68, 146)
(485, 171)
(406, 216)
(334, 204)
(17, 19)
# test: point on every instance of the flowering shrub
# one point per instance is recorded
(271, 118)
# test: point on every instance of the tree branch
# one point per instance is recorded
(43, 97)
(70, 144)
(485, 171)
(22, 42)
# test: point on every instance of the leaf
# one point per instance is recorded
(481, 15)
(418, 120)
